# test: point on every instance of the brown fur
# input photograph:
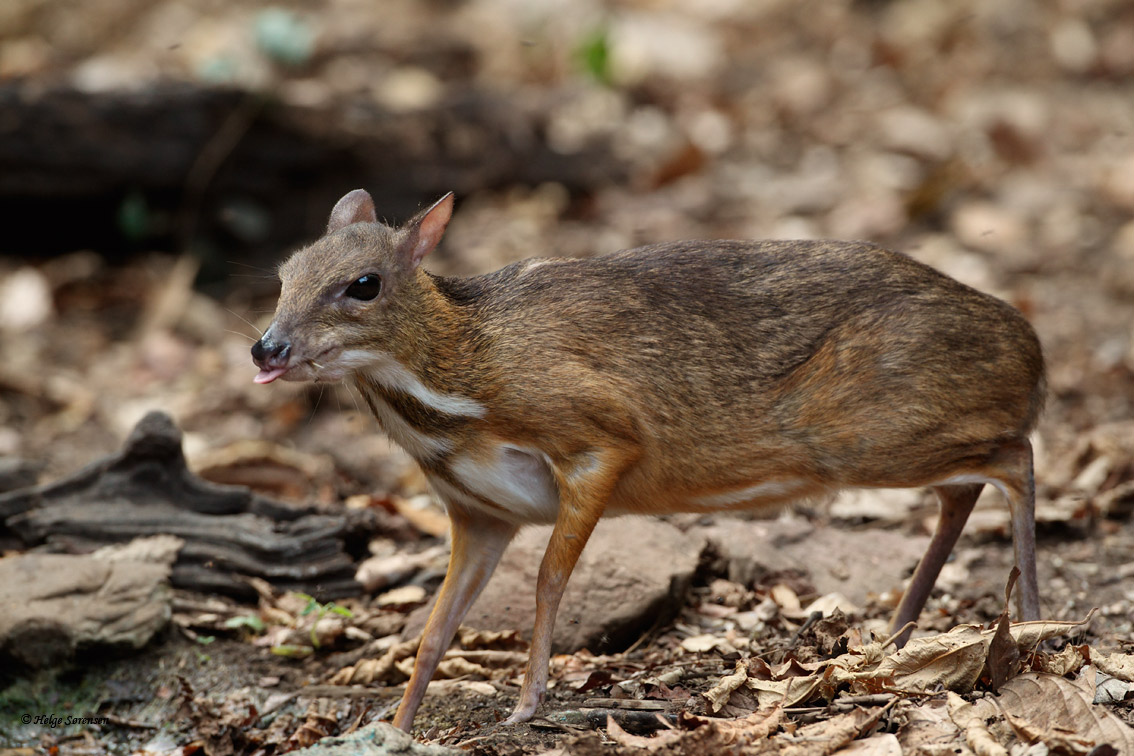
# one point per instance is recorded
(649, 379)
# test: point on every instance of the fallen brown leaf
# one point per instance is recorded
(423, 513)
(1061, 713)
(719, 694)
(472, 638)
(1003, 655)
(649, 744)
(952, 660)
(1115, 665)
(383, 669)
(831, 735)
(1068, 661)
(926, 727)
(377, 572)
(975, 726)
(1041, 708)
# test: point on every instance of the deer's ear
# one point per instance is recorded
(354, 207)
(424, 232)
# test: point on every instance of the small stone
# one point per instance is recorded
(916, 132)
(409, 88)
(1118, 181)
(801, 85)
(1073, 45)
(988, 227)
(25, 300)
(643, 45)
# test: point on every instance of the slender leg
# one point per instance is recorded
(563, 550)
(1019, 487)
(956, 504)
(583, 498)
(1011, 471)
(478, 543)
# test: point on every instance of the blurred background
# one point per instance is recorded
(159, 157)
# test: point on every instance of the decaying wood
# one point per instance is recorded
(230, 533)
(211, 153)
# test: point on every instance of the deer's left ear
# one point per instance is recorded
(354, 207)
(424, 232)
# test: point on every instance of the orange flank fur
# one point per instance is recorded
(683, 377)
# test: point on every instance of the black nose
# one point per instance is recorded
(267, 352)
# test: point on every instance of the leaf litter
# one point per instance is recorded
(76, 372)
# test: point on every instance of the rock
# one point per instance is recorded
(631, 575)
(643, 45)
(57, 604)
(25, 300)
(851, 563)
(1073, 45)
(377, 739)
(990, 228)
(914, 131)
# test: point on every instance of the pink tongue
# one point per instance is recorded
(267, 376)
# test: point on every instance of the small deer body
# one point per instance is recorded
(683, 377)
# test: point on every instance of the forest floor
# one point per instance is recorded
(994, 141)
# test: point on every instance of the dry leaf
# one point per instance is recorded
(1003, 654)
(642, 742)
(382, 669)
(699, 644)
(471, 638)
(423, 513)
(719, 694)
(1028, 635)
(711, 734)
(827, 604)
(830, 735)
(267, 467)
(927, 727)
(458, 666)
(377, 572)
(1068, 661)
(973, 723)
(1062, 714)
(479, 687)
(787, 600)
(1115, 665)
(885, 744)
(407, 595)
(1111, 690)
(789, 692)
(952, 660)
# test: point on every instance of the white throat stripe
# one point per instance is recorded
(383, 369)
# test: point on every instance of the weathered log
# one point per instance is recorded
(202, 158)
(230, 533)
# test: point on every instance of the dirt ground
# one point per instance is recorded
(993, 140)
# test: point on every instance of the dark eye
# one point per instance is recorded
(365, 288)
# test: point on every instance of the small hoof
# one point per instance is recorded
(521, 714)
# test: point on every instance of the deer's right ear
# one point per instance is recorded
(424, 231)
(354, 207)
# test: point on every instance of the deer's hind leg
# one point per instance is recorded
(1010, 470)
